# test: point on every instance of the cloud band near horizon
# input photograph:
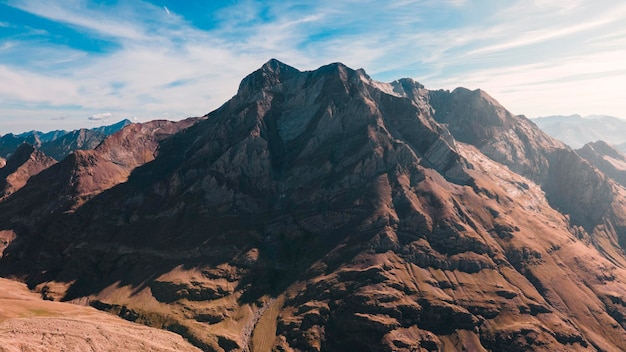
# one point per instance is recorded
(65, 62)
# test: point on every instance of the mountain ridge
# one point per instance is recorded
(339, 213)
(59, 143)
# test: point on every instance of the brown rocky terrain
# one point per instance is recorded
(86, 173)
(322, 210)
(29, 323)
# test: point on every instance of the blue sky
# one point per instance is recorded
(66, 64)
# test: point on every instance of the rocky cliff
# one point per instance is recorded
(322, 210)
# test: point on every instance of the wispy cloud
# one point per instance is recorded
(78, 13)
(159, 61)
(100, 116)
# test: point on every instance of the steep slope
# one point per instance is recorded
(514, 141)
(25, 162)
(474, 117)
(577, 131)
(322, 210)
(607, 159)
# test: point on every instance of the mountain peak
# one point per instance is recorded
(25, 162)
(267, 76)
(340, 213)
(274, 65)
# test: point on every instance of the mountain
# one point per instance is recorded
(322, 210)
(607, 159)
(85, 173)
(577, 131)
(110, 129)
(58, 144)
(25, 162)
(38, 137)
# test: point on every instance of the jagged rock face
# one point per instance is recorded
(59, 144)
(322, 210)
(82, 139)
(474, 117)
(25, 162)
(606, 158)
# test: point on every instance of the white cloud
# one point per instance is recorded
(78, 13)
(512, 52)
(101, 116)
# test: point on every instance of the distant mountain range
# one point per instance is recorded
(576, 131)
(58, 144)
(325, 211)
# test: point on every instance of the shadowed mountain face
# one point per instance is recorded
(322, 210)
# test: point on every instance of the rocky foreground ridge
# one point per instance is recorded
(31, 324)
(322, 210)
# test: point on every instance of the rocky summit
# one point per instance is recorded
(325, 211)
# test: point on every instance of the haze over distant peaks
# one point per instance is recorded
(576, 131)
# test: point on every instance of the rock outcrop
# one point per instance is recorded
(322, 210)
